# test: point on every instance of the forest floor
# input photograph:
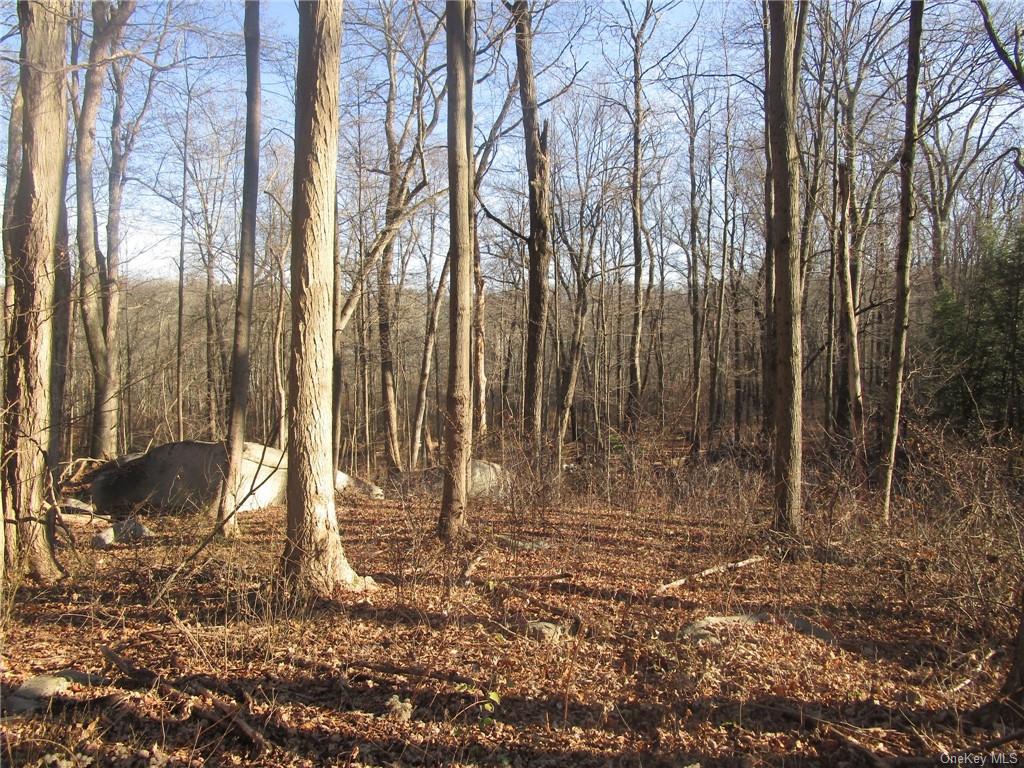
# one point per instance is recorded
(862, 649)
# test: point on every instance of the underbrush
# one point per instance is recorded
(562, 633)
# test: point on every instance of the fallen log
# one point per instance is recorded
(709, 572)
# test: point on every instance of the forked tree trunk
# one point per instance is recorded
(898, 354)
(37, 208)
(314, 559)
(782, 73)
(98, 275)
(539, 239)
(458, 427)
(240, 365)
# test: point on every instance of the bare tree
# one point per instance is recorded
(901, 318)
(98, 276)
(459, 418)
(313, 556)
(240, 353)
(1014, 63)
(33, 234)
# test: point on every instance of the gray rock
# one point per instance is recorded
(122, 532)
(187, 475)
(544, 631)
(486, 479)
(34, 694)
(809, 628)
(709, 627)
(511, 544)
(104, 539)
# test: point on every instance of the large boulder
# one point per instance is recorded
(486, 480)
(187, 475)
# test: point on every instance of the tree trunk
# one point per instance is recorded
(898, 353)
(179, 361)
(539, 239)
(9, 533)
(768, 352)
(33, 232)
(458, 427)
(98, 274)
(429, 339)
(313, 556)
(240, 364)
(637, 216)
(851, 418)
(782, 73)
(389, 394)
(63, 315)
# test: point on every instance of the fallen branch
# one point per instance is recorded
(231, 713)
(974, 671)
(394, 669)
(710, 572)
(530, 577)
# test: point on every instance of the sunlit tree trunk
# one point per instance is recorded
(429, 340)
(33, 232)
(314, 558)
(458, 427)
(781, 96)
(638, 36)
(240, 353)
(8, 528)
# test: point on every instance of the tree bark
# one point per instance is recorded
(539, 238)
(9, 532)
(34, 225)
(851, 418)
(782, 73)
(458, 427)
(240, 353)
(768, 352)
(314, 559)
